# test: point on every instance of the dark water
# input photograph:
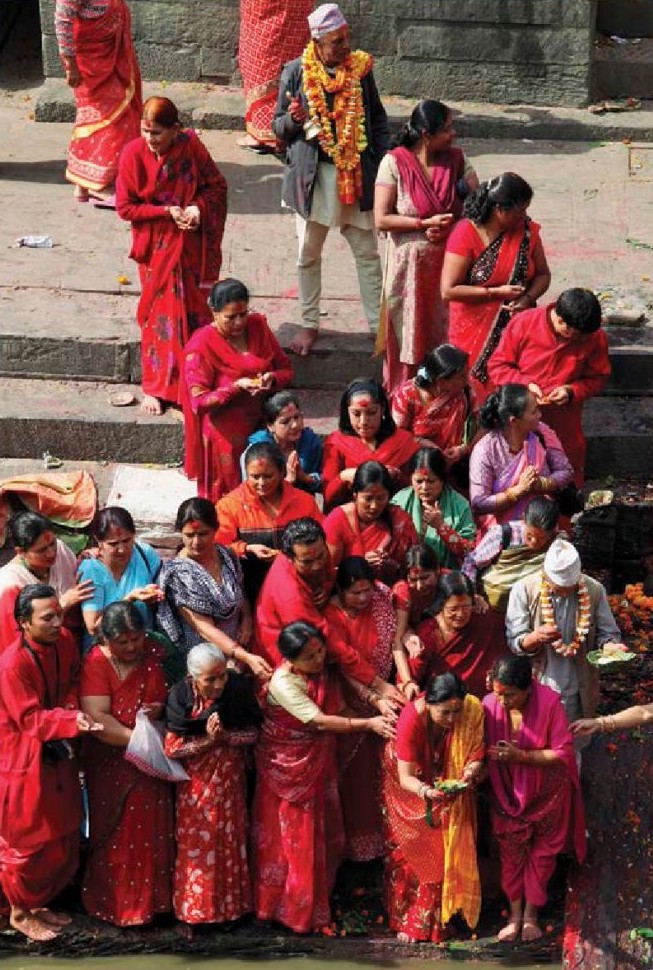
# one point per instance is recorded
(173, 962)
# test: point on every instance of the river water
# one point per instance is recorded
(175, 962)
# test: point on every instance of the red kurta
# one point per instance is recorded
(441, 420)
(131, 850)
(347, 537)
(371, 633)
(470, 653)
(211, 881)
(218, 416)
(530, 353)
(40, 804)
(349, 451)
(284, 598)
(176, 267)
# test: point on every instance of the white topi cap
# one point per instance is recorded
(325, 18)
(562, 563)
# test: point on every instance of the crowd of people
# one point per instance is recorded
(357, 637)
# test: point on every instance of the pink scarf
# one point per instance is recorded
(438, 196)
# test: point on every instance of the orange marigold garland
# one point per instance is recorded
(582, 621)
(344, 147)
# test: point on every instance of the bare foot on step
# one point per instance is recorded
(32, 927)
(52, 919)
(510, 932)
(530, 932)
(302, 343)
(151, 405)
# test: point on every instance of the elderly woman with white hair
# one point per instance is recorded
(211, 716)
(557, 616)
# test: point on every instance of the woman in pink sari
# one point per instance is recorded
(229, 367)
(536, 808)
(520, 457)
(95, 44)
(362, 614)
(297, 833)
(272, 32)
(420, 186)
(370, 526)
(494, 266)
(175, 197)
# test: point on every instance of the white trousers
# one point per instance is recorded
(363, 244)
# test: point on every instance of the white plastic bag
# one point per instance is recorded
(145, 751)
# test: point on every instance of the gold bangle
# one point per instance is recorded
(349, 725)
(512, 496)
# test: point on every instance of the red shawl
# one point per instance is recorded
(349, 451)
(470, 653)
(435, 197)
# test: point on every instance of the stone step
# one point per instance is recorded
(92, 336)
(220, 107)
(75, 421)
(623, 70)
(625, 18)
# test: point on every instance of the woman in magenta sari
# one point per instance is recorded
(370, 526)
(536, 808)
(229, 367)
(362, 614)
(297, 832)
(175, 197)
(519, 458)
(420, 186)
(494, 266)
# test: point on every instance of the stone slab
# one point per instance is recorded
(625, 18)
(619, 434)
(219, 107)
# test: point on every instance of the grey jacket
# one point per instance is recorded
(302, 155)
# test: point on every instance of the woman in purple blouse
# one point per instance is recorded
(519, 457)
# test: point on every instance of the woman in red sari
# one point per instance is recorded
(297, 833)
(456, 638)
(175, 197)
(494, 266)
(536, 807)
(363, 615)
(229, 366)
(95, 44)
(366, 432)
(420, 186)
(431, 873)
(208, 733)
(272, 33)
(370, 526)
(128, 873)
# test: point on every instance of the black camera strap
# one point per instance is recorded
(48, 699)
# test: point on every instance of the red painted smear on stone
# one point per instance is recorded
(289, 294)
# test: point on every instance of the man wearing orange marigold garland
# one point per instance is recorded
(330, 117)
(558, 616)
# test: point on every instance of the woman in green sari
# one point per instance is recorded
(442, 517)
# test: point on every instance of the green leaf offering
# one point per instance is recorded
(602, 658)
(451, 786)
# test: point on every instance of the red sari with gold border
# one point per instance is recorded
(108, 100)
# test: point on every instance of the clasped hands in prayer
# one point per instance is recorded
(187, 219)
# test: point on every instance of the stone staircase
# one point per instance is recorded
(623, 68)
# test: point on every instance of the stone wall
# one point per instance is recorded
(502, 51)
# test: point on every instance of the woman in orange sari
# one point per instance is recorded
(95, 44)
(362, 614)
(370, 526)
(175, 197)
(272, 33)
(229, 367)
(366, 432)
(494, 266)
(431, 872)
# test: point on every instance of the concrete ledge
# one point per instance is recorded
(213, 107)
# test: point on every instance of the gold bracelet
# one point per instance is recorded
(512, 496)
(349, 725)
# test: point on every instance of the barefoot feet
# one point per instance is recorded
(530, 932)
(52, 919)
(80, 194)
(405, 938)
(302, 343)
(510, 932)
(32, 926)
(151, 405)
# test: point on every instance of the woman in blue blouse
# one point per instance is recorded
(300, 446)
(123, 569)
